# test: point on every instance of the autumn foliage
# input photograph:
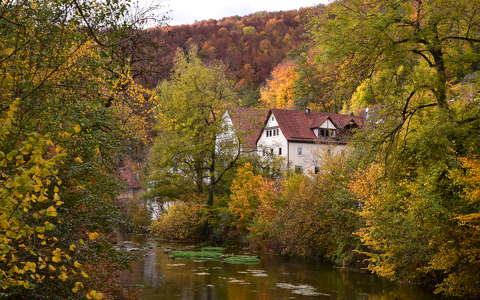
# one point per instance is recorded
(250, 46)
(279, 89)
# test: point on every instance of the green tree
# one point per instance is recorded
(67, 91)
(193, 149)
(416, 47)
(411, 62)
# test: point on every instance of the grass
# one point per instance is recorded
(242, 260)
(196, 254)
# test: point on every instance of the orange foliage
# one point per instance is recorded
(279, 91)
(248, 192)
(261, 40)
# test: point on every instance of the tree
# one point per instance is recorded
(279, 90)
(316, 85)
(417, 47)
(67, 99)
(411, 62)
(193, 147)
(247, 191)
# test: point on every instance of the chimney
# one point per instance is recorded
(307, 110)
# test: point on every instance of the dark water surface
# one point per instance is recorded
(275, 278)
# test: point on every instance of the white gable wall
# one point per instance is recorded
(272, 142)
(328, 125)
(228, 134)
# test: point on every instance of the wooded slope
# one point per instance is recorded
(250, 46)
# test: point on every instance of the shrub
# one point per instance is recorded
(183, 221)
(137, 215)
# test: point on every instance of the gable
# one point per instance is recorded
(328, 125)
(272, 121)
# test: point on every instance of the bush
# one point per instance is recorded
(183, 221)
(137, 216)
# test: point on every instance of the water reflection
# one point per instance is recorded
(276, 278)
(151, 274)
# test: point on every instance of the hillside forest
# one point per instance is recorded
(95, 106)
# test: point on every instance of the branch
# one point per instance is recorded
(404, 113)
(424, 57)
(90, 29)
(460, 38)
(232, 164)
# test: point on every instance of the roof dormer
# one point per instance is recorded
(326, 129)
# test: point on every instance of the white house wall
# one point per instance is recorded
(312, 155)
(272, 142)
(228, 135)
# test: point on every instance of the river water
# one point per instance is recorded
(160, 277)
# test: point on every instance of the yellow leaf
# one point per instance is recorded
(72, 247)
(77, 128)
(51, 211)
(78, 286)
(93, 235)
(94, 295)
(78, 159)
(63, 276)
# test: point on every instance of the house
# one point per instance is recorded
(302, 137)
(244, 125)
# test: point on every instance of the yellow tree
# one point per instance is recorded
(279, 90)
(244, 198)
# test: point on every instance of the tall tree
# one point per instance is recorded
(416, 47)
(65, 112)
(411, 62)
(193, 147)
(279, 90)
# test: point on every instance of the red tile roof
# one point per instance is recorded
(248, 123)
(297, 125)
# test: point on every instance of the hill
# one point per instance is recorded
(250, 46)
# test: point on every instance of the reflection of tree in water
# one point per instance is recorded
(150, 270)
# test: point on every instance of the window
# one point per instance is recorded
(279, 151)
(273, 118)
(277, 131)
(299, 151)
(271, 151)
(327, 132)
(317, 169)
(298, 169)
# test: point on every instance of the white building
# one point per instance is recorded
(244, 125)
(302, 137)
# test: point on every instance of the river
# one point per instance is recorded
(160, 277)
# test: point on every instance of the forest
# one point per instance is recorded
(250, 46)
(88, 94)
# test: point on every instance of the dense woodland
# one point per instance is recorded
(250, 46)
